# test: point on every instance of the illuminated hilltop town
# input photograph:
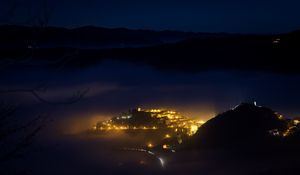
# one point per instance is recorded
(171, 125)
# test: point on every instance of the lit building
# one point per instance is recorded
(172, 125)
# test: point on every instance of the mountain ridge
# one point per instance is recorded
(88, 37)
(187, 52)
(247, 125)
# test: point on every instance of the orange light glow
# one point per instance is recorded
(150, 145)
(165, 146)
(167, 136)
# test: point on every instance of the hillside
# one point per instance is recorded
(87, 37)
(164, 50)
(247, 125)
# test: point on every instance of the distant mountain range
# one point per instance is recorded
(88, 37)
(165, 50)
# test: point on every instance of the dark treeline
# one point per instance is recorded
(191, 52)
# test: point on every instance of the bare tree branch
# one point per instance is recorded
(77, 96)
(28, 138)
(13, 139)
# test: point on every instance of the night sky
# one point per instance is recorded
(248, 16)
(117, 87)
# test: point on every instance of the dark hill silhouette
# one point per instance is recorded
(90, 37)
(243, 133)
(238, 52)
(245, 125)
(165, 50)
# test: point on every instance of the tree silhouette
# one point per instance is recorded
(16, 134)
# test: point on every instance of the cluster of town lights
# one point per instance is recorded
(119, 127)
(191, 130)
(173, 126)
(174, 121)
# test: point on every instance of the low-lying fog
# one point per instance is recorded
(115, 87)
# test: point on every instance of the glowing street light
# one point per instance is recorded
(150, 145)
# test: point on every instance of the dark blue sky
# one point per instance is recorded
(247, 16)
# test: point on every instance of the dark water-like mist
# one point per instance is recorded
(114, 87)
